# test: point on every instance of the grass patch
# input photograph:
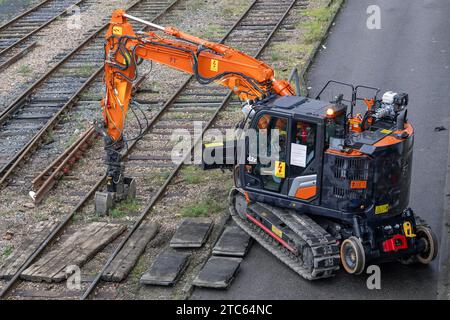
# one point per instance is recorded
(71, 141)
(49, 137)
(192, 175)
(318, 19)
(211, 32)
(25, 70)
(139, 269)
(124, 207)
(86, 70)
(196, 5)
(202, 209)
(275, 56)
(7, 251)
(91, 96)
(157, 178)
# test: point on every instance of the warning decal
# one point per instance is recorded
(280, 168)
(117, 30)
(214, 65)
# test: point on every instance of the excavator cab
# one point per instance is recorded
(306, 164)
(289, 137)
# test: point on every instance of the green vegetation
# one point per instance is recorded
(7, 251)
(212, 32)
(157, 178)
(196, 5)
(123, 208)
(91, 96)
(311, 29)
(71, 141)
(317, 21)
(86, 70)
(25, 70)
(275, 56)
(203, 208)
(192, 174)
(232, 8)
(49, 137)
(139, 269)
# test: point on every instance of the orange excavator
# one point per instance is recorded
(335, 193)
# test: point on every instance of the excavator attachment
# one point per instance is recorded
(105, 201)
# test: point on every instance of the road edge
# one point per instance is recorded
(444, 258)
(310, 59)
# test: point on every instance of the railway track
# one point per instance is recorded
(30, 117)
(18, 36)
(150, 157)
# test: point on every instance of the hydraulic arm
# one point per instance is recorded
(249, 78)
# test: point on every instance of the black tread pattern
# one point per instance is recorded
(325, 250)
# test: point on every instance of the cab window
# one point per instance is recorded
(271, 167)
(303, 146)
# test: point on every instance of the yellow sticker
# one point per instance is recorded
(407, 228)
(277, 231)
(214, 65)
(214, 144)
(117, 30)
(382, 209)
(280, 169)
(386, 131)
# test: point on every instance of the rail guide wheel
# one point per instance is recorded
(353, 258)
(425, 234)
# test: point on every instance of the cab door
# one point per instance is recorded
(305, 160)
(266, 151)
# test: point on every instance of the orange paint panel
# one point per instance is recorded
(247, 198)
(352, 153)
(306, 192)
(390, 140)
(358, 184)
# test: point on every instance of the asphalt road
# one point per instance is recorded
(410, 53)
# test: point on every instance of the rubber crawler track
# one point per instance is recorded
(324, 247)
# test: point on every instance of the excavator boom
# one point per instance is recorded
(250, 79)
(246, 76)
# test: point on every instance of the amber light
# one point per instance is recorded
(330, 113)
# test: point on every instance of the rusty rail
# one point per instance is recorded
(45, 181)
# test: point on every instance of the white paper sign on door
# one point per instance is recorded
(298, 155)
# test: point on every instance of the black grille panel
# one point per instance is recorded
(342, 193)
(345, 170)
(351, 169)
